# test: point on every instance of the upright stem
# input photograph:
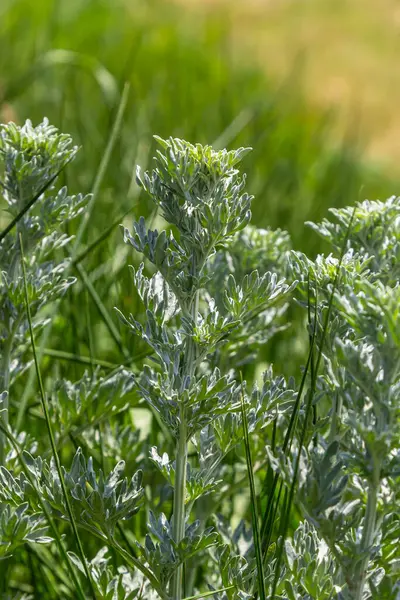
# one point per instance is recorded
(179, 498)
(5, 360)
(368, 532)
(4, 387)
(179, 516)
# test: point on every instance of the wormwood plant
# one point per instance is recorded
(319, 453)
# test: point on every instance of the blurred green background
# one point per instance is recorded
(211, 72)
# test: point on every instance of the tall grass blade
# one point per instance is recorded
(312, 389)
(253, 501)
(287, 504)
(265, 530)
(212, 593)
(101, 238)
(95, 191)
(31, 202)
(78, 358)
(50, 430)
(59, 57)
(103, 311)
(103, 167)
(234, 128)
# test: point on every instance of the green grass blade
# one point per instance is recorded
(102, 168)
(253, 501)
(31, 202)
(59, 57)
(207, 594)
(287, 504)
(240, 122)
(50, 430)
(101, 238)
(286, 445)
(103, 311)
(285, 521)
(78, 358)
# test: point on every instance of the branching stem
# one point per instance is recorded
(5, 382)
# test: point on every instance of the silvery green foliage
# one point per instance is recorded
(30, 159)
(164, 555)
(99, 502)
(19, 525)
(235, 570)
(31, 156)
(270, 402)
(250, 250)
(348, 484)
(200, 192)
(199, 482)
(374, 232)
(212, 395)
(310, 567)
(201, 196)
(95, 395)
(119, 442)
(214, 289)
(123, 585)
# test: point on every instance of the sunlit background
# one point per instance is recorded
(312, 85)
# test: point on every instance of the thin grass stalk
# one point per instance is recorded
(253, 501)
(78, 358)
(271, 510)
(289, 499)
(311, 396)
(95, 191)
(288, 437)
(103, 166)
(212, 593)
(50, 430)
(31, 202)
(116, 336)
(32, 573)
(101, 238)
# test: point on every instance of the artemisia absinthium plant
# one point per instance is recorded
(200, 193)
(212, 297)
(349, 480)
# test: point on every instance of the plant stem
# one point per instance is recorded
(179, 497)
(368, 532)
(5, 382)
(50, 432)
(179, 516)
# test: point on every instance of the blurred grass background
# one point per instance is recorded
(305, 83)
